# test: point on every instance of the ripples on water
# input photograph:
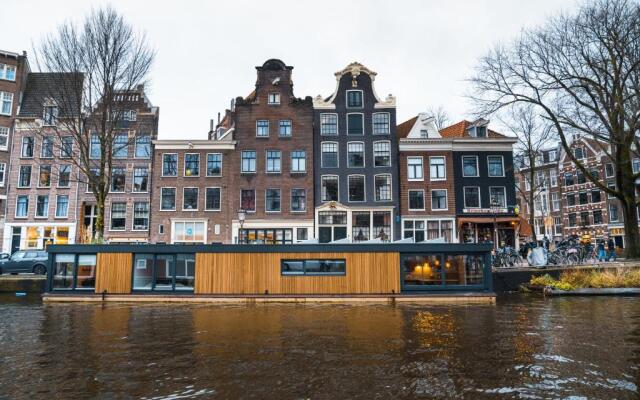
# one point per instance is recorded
(530, 348)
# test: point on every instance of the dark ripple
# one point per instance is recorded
(519, 348)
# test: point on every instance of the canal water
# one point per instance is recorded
(522, 347)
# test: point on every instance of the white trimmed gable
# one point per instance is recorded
(424, 123)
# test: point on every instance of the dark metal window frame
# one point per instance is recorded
(73, 287)
(304, 267)
(153, 273)
(486, 284)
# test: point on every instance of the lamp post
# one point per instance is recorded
(494, 207)
(242, 215)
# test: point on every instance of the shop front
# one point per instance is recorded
(483, 230)
(336, 222)
(271, 231)
(36, 236)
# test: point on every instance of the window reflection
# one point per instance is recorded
(442, 270)
(422, 270)
(164, 272)
(63, 271)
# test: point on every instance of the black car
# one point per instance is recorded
(24, 261)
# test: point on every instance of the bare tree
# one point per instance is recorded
(534, 135)
(440, 115)
(97, 66)
(582, 73)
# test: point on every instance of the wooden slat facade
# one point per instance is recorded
(257, 273)
(113, 272)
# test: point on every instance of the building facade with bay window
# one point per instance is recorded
(355, 165)
(272, 166)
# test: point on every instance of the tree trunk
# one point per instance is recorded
(532, 200)
(99, 232)
(631, 232)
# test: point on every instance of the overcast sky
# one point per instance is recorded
(207, 50)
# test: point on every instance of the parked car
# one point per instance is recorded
(24, 261)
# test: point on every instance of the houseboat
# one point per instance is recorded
(263, 273)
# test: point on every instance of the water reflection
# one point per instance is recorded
(519, 348)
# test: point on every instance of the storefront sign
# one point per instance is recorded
(616, 231)
(484, 210)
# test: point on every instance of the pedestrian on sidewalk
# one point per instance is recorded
(601, 251)
(611, 245)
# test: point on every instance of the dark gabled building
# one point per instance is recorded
(484, 183)
(272, 167)
(356, 161)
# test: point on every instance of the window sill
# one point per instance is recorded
(438, 179)
(166, 210)
(262, 137)
(168, 176)
(218, 210)
(415, 180)
(191, 176)
(298, 173)
(65, 217)
(214, 176)
(41, 217)
(135, 192)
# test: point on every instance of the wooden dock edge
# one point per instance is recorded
(467, 298)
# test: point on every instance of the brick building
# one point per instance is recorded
(271, 169)
(427, 195)
(127, 207)
(13, 78)
(43, 201)
(547, 188)
(192, 186)
(355, 167)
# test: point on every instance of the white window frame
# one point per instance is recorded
(71, 176)
(446, 200)
(135, 148)
(424, 202)
(364, 181)
(464, 197)
(373, 152)
(9, 98)
(255, 200)
(184, 166)
(390, 188)
(266, 162)
(477, 167)
(504, 192)
(347, 123)
(489, 166)
(335, 115)
(291, 200)
(68, 203)
(207, 165)
(617, 211)
(613, 170)
(555, 202)
(19, 185)
(444, 164)
(268, 128)
(364, 157)
(3, 171)
(205, 198)
(38, 185)
(126, 207)
(162, 165)
(175, 198)
(337, 154)
(373, 115)
(255, 160)
(4, 131)
(346, 99)
(124, 189)
(133, 178)
(275, 96)
(33, 150)
(553, 178)
(133, 217)
(299, 171)
(280, 121)
(265, 201)
(321, 184)
(197, 198)
(421, 178)
(46, 210)
(16, 210)
(3, 72)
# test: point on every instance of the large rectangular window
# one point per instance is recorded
(64, 175)
(141, 216)
(498, 196)
(168, 199)
(190, 199)
(189, 232)
(118, 216)
(298, 200)
(381, 123)
(4, 137)
(273, 161)
(47, 147)
(24, 180)
(355, 124)
(470, 166)
(272, 200)
(472, 197)
(248, 161)
(74, 272)
(143, 146)
(313, 267)
(355, 154)
(22, 206)
(298, 161)
(419, 270)
(8, 72)
(496, 166)
(262, 128)
(416, 199)
(356, 188)
(265, 236)
(414, 168)
(329, 188)
(329, 156)
(214, 164)
(248, 200)
(328, 124)
(383, 187)
(212, 199)
(164, 272)
(354, 98)
(6, 103)
(169, 165)
(42, 206)
(285, 128)
(437, 168)
(121, 145)
(118, 179)
(439, 199)
(382, 154)
(62, 206)
(141, 179)
(192, 164)
(27, 147)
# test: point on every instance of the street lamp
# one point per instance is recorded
(242, 215)
(494, 206)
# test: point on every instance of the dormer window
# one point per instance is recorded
(354, 98)
(579, 153)
(50, 115)
(552, 155)
(274, 98)
(424, 133)
(481, 131)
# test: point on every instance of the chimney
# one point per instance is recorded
(218, 118)
(210, 129)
